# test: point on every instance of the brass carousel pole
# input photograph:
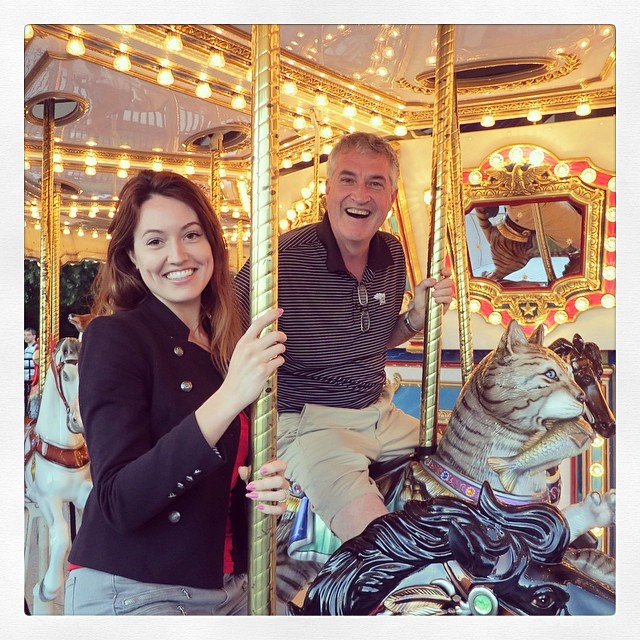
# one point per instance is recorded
(214, 176)
(458, 240)
(264, 284)
(316, 167)
(239, 246)
(47, 229)
(441, 198)
(54, 252)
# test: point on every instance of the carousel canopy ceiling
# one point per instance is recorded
(128, 97)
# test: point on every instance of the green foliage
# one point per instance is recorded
(75, 293)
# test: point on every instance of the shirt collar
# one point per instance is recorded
(169, 320)
(379, 255)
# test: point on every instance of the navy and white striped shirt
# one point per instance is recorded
(329, 359)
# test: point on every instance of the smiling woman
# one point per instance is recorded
(165, 380)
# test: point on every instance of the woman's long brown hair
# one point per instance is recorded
(119, 286)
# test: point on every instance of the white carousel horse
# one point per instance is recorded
(57, 466)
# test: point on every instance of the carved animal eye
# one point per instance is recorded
(551, 374)
(544, 598)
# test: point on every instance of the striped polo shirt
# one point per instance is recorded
(329, 359)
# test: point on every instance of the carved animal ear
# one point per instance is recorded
(537, 337)
(512, 338)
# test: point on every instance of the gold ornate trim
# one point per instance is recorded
(521, 181)
(535, 71)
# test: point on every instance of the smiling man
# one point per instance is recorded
(341, 284)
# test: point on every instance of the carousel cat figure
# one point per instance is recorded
(519, 414)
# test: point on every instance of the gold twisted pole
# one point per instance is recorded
(264, 281)
(46, 224)
(54, 245)
(316, 168)
(458, 240)
(215, 148)
(441, 199)
(239, 247)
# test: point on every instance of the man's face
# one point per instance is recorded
(29, 337)
(359, 195)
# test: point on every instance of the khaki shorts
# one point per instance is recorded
(328, 450)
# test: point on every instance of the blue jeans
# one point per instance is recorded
(95, 593)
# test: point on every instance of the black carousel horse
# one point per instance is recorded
(448, 556)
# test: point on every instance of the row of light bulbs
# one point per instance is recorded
(535, 114)
(173, 43)
(79, 231)
(74, 210)
(188, 167)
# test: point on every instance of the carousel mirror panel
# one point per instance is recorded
(541, 236)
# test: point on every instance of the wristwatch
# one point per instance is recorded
(408, 324)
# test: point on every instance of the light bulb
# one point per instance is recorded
(238, 102)
(124, 162)
(289, 88)
(487, 120)
(349, 110)
(534, 115)
(165, 77)
(122, 62)
(400, 130)
(216, 59)
(203, 90)
(583, 109)
(173, 42)
(75, 46)
(326, 131)
(320, 99)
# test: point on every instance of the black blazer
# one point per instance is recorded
(157, 511)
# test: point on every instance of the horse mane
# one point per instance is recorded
(365, 569)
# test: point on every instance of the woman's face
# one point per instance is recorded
(173, 255)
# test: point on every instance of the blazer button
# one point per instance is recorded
(186, 386)
(174, 517)
(179, 351)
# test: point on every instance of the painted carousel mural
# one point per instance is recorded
(506, 140)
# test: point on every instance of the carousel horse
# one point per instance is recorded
(586, 364)
(518, 415)
(57, 466)
(448, 556)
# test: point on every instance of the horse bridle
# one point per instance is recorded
(70, 458)
(57, 371)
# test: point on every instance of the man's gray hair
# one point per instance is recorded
(363, 142)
